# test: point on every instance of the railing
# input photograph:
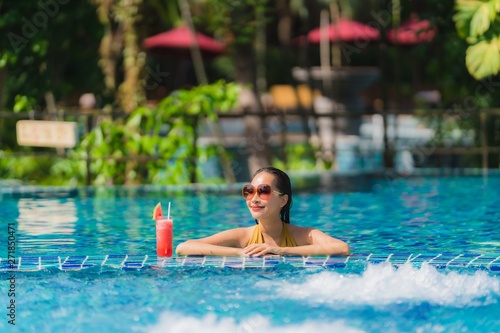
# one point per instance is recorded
(280, 135)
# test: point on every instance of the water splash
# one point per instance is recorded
(175, 323)
(384, 284)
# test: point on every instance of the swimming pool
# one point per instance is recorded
(425, 259)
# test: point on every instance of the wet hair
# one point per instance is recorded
(283, 184)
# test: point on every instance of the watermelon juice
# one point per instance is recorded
(164, 236)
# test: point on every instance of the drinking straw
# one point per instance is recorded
(168, 211)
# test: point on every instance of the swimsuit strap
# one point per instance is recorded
(256, 237)
(286, 240)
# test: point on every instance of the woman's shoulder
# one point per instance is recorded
(297, 228)
(244, 231)
(301, 234)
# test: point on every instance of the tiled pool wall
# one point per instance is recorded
(472, 261)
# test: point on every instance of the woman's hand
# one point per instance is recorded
(257, 250)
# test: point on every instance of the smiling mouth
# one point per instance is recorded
(255, 208)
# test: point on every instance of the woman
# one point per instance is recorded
(269, 198)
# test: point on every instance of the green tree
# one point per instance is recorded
(49, 47)
(120, 49)
(242, 25)
(153, 145)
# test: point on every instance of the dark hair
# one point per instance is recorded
(283, 184)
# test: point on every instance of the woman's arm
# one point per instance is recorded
(326, 244)
(318, 243)
(225, 243)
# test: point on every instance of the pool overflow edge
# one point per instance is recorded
(489, 262)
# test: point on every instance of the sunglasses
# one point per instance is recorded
(263, 191)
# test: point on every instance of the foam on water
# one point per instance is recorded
(383, 298)
(175, 323)
(385, 284)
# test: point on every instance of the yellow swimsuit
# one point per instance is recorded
(286, 240)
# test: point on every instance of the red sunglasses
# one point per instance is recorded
(263, 191)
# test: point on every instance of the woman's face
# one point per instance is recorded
(270, 207)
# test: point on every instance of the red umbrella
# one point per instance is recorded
(181, 39)
(346, 30)
(413, 31)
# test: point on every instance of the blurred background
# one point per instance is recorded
(110, 92)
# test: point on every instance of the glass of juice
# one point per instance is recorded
(164, 236)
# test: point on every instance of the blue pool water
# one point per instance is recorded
(425, 259)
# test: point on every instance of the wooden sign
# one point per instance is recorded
(44, 133)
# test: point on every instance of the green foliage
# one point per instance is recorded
(48, 46)
(299, 157)
(154, 145)
(478, 22)
(39, 169)
(23, 103)
(238, 19)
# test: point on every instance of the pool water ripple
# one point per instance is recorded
(99, 272)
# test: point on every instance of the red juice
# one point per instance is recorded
(164, 237)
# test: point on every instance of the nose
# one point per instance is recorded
(253, 196)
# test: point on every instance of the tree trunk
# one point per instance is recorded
(257, 150)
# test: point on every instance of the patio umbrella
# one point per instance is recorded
(345, 30)
(177, 44)
(411, 32)
(180, 40)
(340, 85)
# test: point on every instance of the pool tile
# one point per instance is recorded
(254, 262)
(67, 267)
(314, 261)
(234, 262)
(193, 261)
(134, 262)
(113, 262)
(335, 262)
(212, 261)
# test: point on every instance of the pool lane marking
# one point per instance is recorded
(439, 255)
(449, 262)
(304, 260)
(491, 262)
(144, 261)
(470, 262)
(324, 262)
(61, 264)
(410, 259)
(83, 262)
(105, 259)
(124, 261)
